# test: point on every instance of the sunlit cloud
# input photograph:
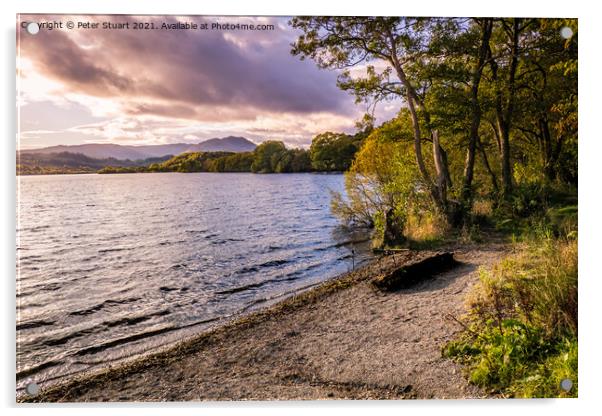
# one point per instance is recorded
(151, 87)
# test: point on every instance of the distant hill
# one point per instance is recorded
(125, 152)
(66, 162)
(227, 144)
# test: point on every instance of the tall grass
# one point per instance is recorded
(521, 333)
(425, 230)
(537, 284)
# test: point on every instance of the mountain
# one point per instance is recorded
(124, 152)
(65, 162)
(227, 144)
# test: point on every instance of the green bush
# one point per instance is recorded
(517, 360)
(521, 331)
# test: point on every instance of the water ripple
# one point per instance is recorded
(111, 266)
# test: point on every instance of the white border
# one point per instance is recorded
(589, 154)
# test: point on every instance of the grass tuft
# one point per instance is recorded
(521, 333)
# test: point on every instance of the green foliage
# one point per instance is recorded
(190, 162)
(118, 169)
(51, 170)
(548, 375)
(237, 162)
(521, 338)
(332, 152)
(518, 361)
(378, 239)
(269, 157)
(563, 221)
(382, 181)
(67, 162)
(537, 209)
(527, 200)
(516, 111)
(501, 97)
(273, 157)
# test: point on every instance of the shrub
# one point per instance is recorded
(427, 228)
(521, 334)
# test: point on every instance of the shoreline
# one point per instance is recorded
(97, 172)
(305, 313)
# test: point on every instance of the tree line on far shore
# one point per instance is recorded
(329, 152)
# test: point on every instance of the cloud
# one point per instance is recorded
(234, 71)
(161, 86)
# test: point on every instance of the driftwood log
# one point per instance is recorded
(415, 271)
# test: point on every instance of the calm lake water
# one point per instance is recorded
(112, 266)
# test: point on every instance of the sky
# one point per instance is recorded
(141, 87)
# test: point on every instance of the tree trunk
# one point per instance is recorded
(549, 164)
(506, 166)
(437, 190)
(504, 110)
(503, 136)
(488, 167)
(418, 141)
(448, 179)
(466, 198)
(393, 232)
(441, 180)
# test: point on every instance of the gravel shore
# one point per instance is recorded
(342, 340)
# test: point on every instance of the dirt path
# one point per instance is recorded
(354, 342)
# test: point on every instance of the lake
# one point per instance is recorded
(114, 266)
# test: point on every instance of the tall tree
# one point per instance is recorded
(504, 63)
(548, 99)
(486, 26)
(397, 42)
(460, 52)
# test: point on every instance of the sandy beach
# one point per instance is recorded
(342, 340)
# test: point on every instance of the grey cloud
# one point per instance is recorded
(188, 72)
